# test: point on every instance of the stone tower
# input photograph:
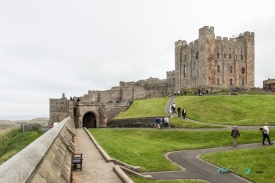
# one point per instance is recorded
(215, 62)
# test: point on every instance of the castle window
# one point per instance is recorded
(242, 82)
(197, 55)
(242, 56)
(230, 81)
(224, 55)
(230, 69)
(229, 55)
(209, 79)
(242, 70)
(209, 59)
(218, 68)
(218, 81)
(184, 71)
(218, 55)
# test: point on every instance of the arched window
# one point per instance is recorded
(230, 81)
(218, 81)
(218, 68)
(242, 70)
(242, 82)
(184, 71)
(230, 69)
(197, 55)
(229, 55)
(218, 55)
(242, 56)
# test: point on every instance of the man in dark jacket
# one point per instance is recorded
(235, 133)
(179, 111)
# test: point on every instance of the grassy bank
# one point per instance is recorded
(145, 108)
(234, 110)
(138, 147)
(259, 160)
(13, 141)
(146, 148)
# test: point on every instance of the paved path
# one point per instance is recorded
(95, 169)
(195, 168)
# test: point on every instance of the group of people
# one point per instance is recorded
(179, 111)
(235, 133)
(164, 121)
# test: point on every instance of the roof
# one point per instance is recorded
(270, 81)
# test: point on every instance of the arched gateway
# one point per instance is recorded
(89, 120)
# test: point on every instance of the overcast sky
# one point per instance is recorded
(52, 47)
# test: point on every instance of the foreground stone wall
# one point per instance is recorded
(47, 159)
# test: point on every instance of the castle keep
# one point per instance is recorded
(215, 62)
(210, 62)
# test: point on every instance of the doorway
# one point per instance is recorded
(89, 120)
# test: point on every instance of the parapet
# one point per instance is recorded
(218, 38)
(180, 43)
(206, 29)
(248, 34)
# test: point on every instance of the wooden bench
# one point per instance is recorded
(77, 160)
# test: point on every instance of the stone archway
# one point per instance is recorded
(89, 120)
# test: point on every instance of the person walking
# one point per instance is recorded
(235, 133)
(166, 122)
(266, 134)
(183, 113)
(158, 122)
(174, 107)
(179, 111)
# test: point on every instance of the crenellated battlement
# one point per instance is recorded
(180, 43)
(206, 29)
(248, 34)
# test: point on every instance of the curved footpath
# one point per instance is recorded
(195, 168)
(96, 169)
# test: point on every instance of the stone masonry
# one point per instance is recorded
(218, 62)
(212, 63)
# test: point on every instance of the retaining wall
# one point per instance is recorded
(47, 159)
(148, 122)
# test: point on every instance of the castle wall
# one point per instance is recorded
(215, 61)
(59, 109)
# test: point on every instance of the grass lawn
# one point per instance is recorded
(140, 146)
(145, 108)
(230, 109)
(14, 141)
(180, 123)
(259, 160)
(146, 148)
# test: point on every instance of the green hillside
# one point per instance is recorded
(219, 109)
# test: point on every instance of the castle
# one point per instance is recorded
(208, 62)
(215, 62)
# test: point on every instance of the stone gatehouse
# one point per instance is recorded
(210, 62)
